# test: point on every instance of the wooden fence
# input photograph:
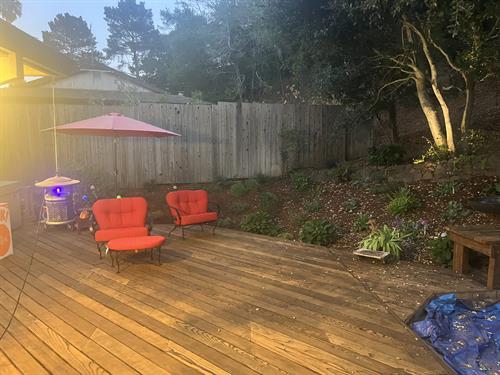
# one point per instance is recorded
(227, 140)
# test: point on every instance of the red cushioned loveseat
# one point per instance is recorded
(120, 218)
(191, 207)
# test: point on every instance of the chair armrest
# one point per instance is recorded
(149, 221)
(214, 205)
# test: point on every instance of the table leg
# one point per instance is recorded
(460, 258)
(493, 272)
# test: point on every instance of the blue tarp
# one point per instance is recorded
(468, 339)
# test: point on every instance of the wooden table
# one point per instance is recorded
(481, 238)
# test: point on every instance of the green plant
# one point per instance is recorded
(351, 204)
(362, 222)
(268, 200)
(402, 202)
(448, 188)
(285, 236)
(238, 207)
(455, 211)
(260, 222)
(386, 155)
(341, 173)
(241, 188)
(319, 232)
(473, 142)
(300, 181)
(226, 222)
(262, 179)
(312, 206)
(300, 218)
(385, 239)
(441, 249)
(434, 154)
(493, 188)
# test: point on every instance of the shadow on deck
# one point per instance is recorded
(230, 303)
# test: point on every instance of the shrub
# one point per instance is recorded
(319, 232)
(300, 181)
(441, 249)
(385, 188)
(300, 219)
(285, 236)
(262, 179)
(226, 222)
(268, 200)
(259, 222)
(312, 206)
(238, 207)
(448, 188)
(494, 188)
(252, 184)
(241, 188)
(402, 202)
(385, 239)
(386, 155)
(473, 142)
(434, 154)
(455, 211)
(351, 204)
(341, 173)
(362, 222)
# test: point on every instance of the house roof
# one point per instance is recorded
(21, 49)
(97, 66)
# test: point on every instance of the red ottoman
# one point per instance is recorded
(135, 244)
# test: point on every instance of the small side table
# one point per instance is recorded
(484, 239)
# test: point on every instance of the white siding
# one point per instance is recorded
(97, 80)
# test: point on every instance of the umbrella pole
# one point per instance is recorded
(115, 151)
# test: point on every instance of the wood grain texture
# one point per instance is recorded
(233, 303)
(230, 140)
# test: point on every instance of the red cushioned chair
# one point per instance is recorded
(191, 207)
(120, 218)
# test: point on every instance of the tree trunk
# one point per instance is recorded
(429, 110)
(470, 88)
(435, 88)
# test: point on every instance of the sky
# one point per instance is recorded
(37, 14)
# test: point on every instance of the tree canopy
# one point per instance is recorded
(10, 10)
(132, 34)
(72, 36)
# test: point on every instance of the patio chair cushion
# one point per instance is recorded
(105, 235)
(120, 213)
(188, 202)
(197, 219)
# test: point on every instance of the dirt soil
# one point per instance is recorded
(330, 198)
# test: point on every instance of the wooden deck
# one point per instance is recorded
(233, 303)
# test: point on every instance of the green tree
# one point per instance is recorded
(10, 10)
(72, 36)
(131, 33)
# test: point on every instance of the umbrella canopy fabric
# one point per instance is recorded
(114, 125)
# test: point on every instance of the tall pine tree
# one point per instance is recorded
(73, 37)
(132, 34)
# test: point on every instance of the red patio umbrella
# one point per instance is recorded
(113, 125)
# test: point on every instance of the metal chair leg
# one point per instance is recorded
(117, 262)
(99, 249)
(159, 256)
(112, 255)
(172, 230)
(183, 233)
(215, 227)
(151, 254)
(201, 226)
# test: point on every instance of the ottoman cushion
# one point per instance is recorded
(136, 243)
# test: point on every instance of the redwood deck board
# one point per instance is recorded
(233, 303)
